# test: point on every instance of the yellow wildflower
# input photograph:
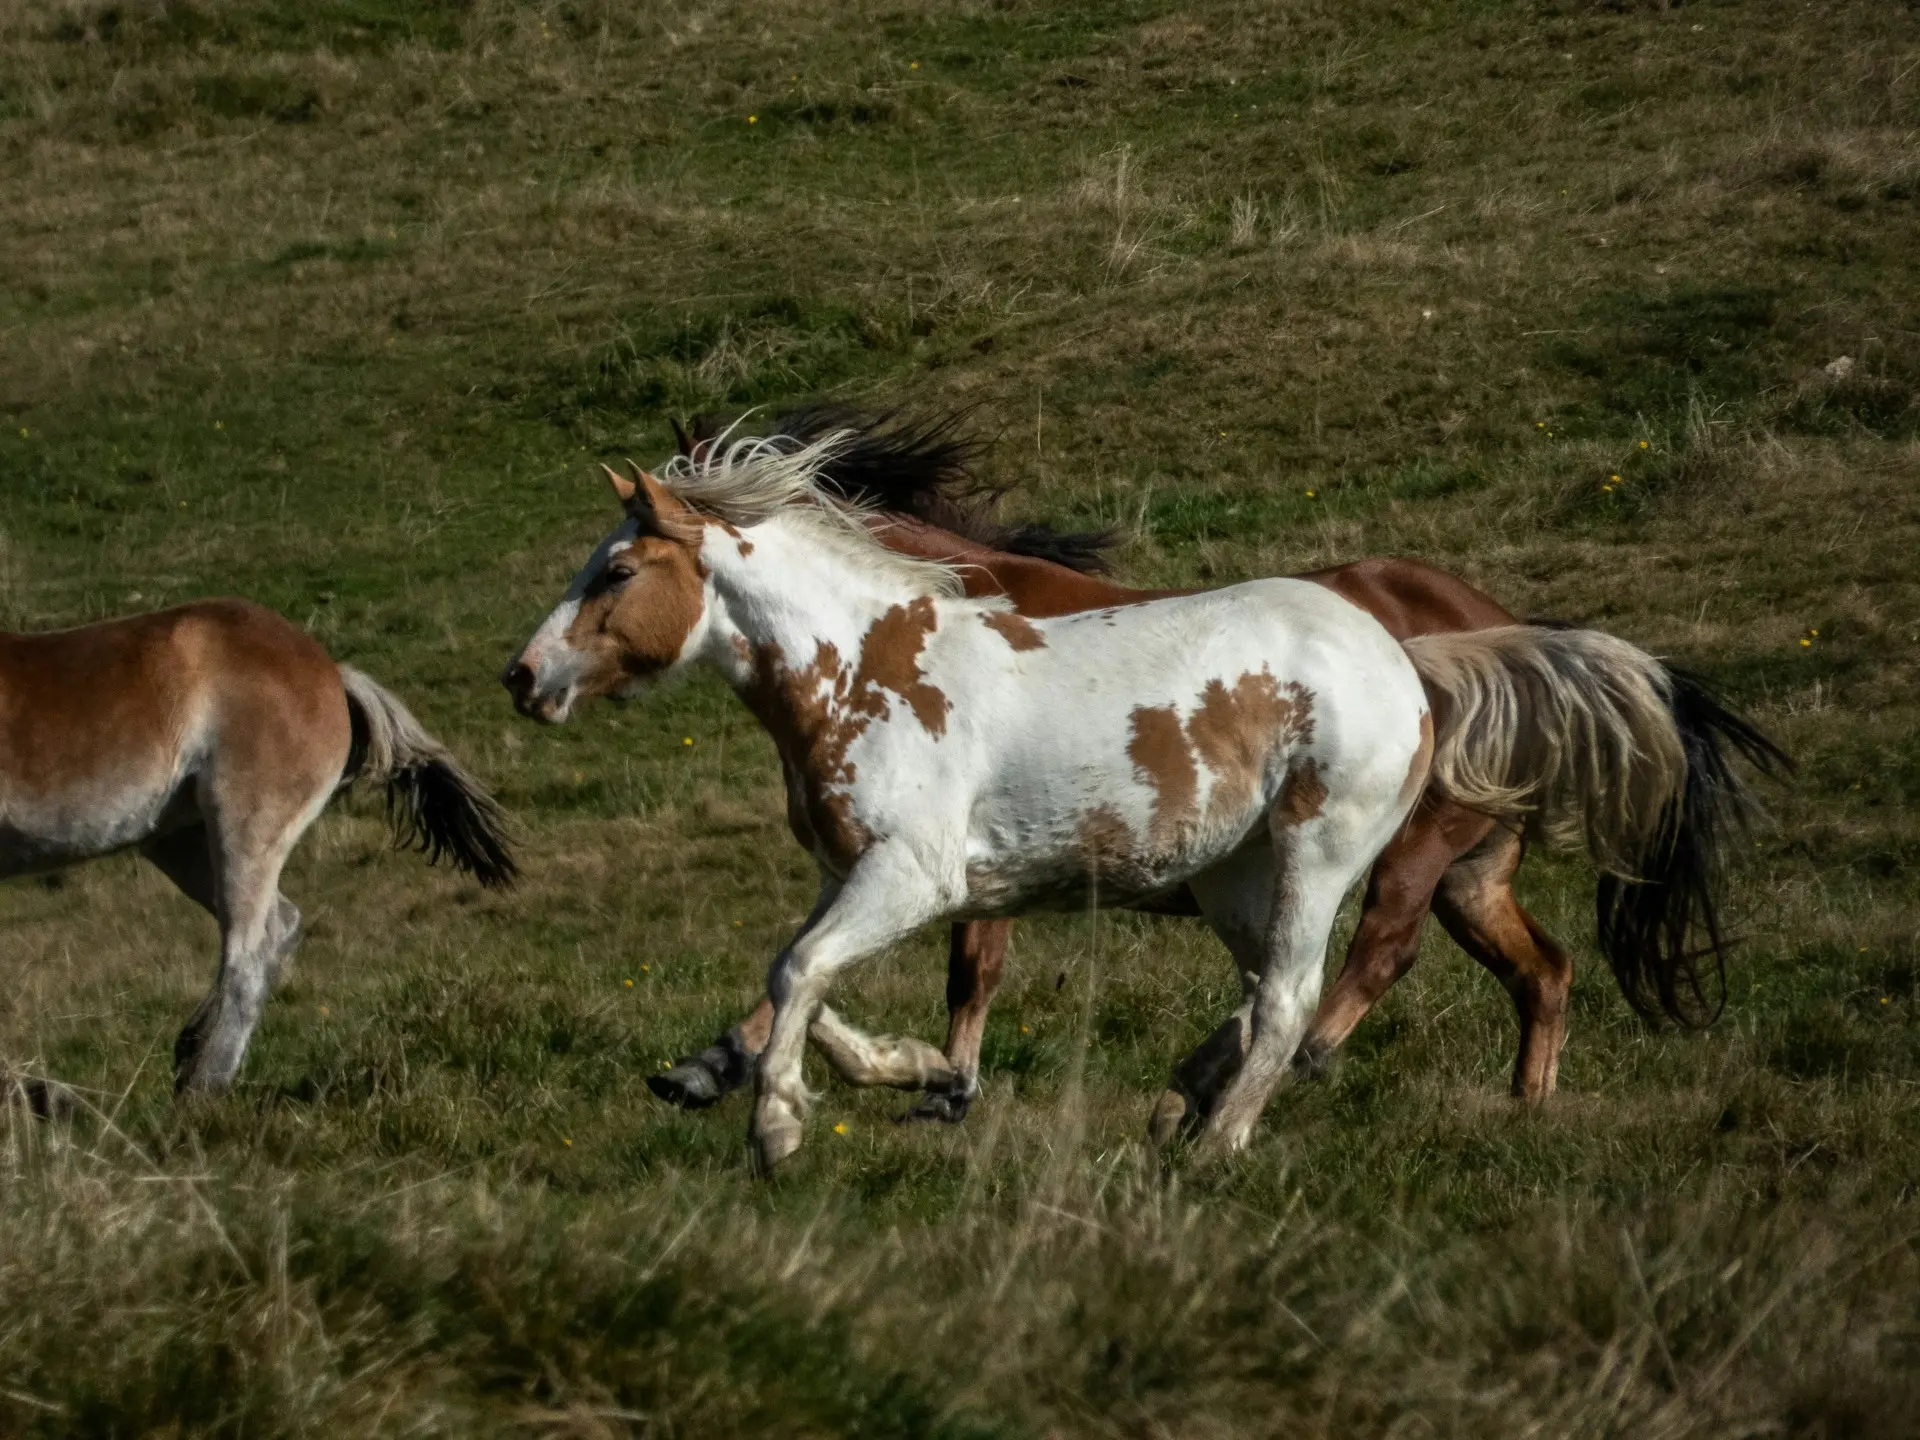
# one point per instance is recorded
(841, 1128)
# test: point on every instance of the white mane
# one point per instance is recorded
(748, 482)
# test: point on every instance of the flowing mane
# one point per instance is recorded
(920, 467)
(748, 480)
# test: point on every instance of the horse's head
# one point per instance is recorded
(632, 615)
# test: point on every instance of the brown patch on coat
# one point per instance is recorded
(1236, 730)
(732, 532)
(1303, 794)
(1016, 630)
(1416, 780)
(815, 712)
(890, 660)
(798, 709)
(1164, 762)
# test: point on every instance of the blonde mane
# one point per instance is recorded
(750, 481)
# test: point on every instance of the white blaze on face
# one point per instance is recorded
(549, 654)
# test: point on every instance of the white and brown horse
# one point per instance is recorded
(946, 757)
(1658, 928)
(209, 737)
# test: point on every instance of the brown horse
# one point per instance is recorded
(1457, 863)
(209, 737)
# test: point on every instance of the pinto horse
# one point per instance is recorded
(1455, 862)
(948, 758)
(209, 737)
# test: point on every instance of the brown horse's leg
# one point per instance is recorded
(253, 825)
(186, 858)
(1476, 904)
(1387, 940)
(976, 959)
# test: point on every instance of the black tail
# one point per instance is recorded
(433, 805)
(1661, 932)
(437, 809)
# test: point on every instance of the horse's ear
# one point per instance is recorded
(682, 441)
(707, 430)
(624, 489)
(659, 511)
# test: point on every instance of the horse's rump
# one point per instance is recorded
(104, 727)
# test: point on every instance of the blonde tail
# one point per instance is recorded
(1586, 742)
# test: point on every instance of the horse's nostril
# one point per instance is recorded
(518, 680)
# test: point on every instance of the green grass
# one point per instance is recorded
(335, 305)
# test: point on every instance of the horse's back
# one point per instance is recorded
(1410, 597)
(1150, 740)
(103, 726)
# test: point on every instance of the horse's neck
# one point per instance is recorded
(794, 617)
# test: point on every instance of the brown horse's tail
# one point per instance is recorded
(1584, 741)
(433, 804)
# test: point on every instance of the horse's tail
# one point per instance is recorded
(1585, 741)
(433, 804)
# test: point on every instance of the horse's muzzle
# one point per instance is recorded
(524, 686)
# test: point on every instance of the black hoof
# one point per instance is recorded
(46, 1100)
(701, 1080)
(948, 1109)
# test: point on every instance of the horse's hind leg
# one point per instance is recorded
(186, 858)
(1236, 897)
(1386, 942)
(976, 960)
(1476, 904)
(252, 835)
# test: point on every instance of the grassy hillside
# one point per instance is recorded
(1613, 308)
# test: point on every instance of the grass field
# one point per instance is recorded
(334, 305)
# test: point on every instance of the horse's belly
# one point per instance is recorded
(45, 832)
(1102, 860)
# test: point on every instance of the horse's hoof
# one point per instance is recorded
(689, 1085)
(1169, 1119)
(949, 1108)
(773, 1141)
(45, 1099)
(704, 1079)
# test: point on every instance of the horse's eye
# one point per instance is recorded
(612, 578)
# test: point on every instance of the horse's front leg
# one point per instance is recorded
(886, 896)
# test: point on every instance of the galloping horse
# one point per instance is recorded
(946, 757)
(1456, 862)
(210, 736)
